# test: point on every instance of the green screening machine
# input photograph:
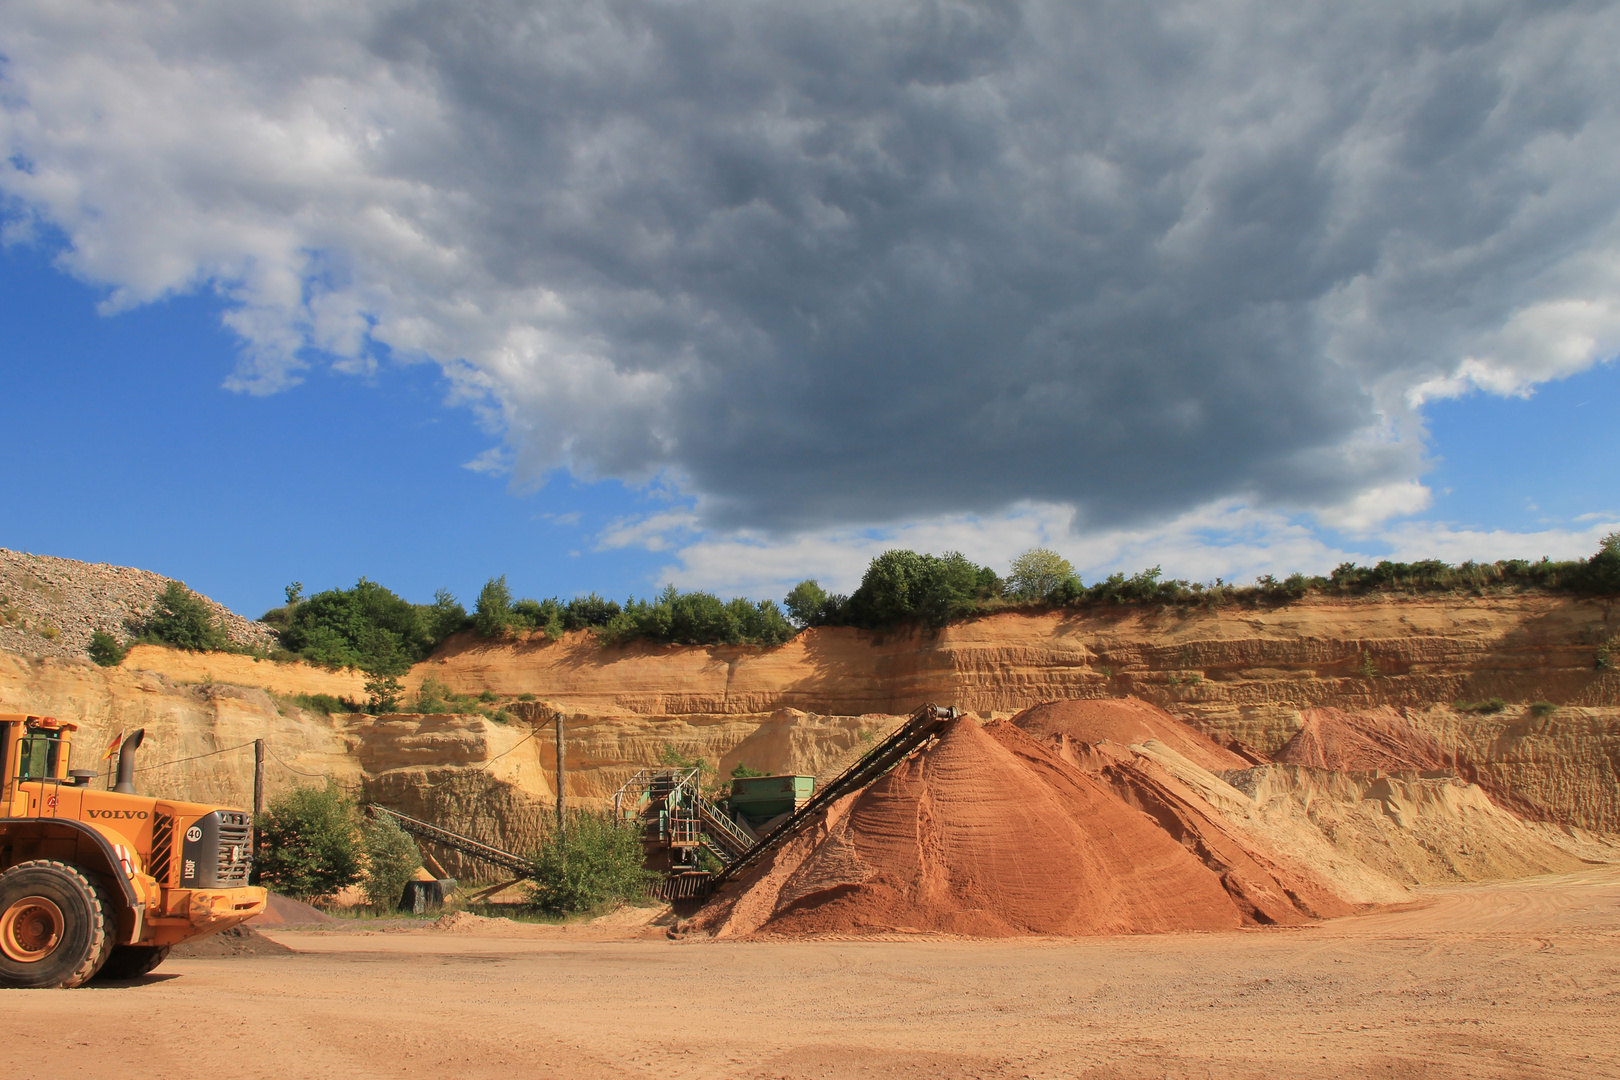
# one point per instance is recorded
(760, 798)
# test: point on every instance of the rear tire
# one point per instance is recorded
(56, 926)
(132, 961)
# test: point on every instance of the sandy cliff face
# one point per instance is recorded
(1253, 675)
(1238, 673)
(1229, 666)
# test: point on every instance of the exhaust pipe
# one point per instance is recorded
(126, 763)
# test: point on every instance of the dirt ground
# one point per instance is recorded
(1519, 979)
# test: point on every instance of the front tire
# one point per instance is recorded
(56, 927)
(132, 961)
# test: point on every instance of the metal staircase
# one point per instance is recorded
(675, 813)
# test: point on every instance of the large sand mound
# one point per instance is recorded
(991, 834)
(1127, 721)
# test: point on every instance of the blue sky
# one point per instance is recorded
(432, 294)
(125, 448)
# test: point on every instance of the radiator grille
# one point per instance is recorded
(235, 849)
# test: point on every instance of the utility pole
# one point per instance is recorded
(562, 820)
(258, 791)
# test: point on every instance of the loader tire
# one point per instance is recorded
(132, 961)
(56, 925)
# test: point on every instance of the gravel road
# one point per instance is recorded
(1518, 979)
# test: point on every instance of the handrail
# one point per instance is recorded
(725, 832)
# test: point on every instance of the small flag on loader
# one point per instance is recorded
(112, 747)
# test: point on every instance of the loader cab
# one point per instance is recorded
(33, 748)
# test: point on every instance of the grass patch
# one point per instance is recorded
(1542, 709)
(325, 704)
(1487, 707)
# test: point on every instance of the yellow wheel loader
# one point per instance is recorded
(106, 881)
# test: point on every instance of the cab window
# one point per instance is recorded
(38, 756)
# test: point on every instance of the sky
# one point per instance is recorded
(601, 296)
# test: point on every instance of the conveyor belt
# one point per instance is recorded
(922, 725)
(464, 844)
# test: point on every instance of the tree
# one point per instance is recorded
(445, 616)
(391, 860)
(807, 603)
(308, 842)
(105, 650)
(1038, 573)
(383, 689)
(365, 627)
(1603, 568)
(183, 619)
(492, 615)
(902, 586)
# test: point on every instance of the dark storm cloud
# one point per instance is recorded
(862, 262)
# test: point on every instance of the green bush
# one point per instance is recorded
(1488, 707)
(904, 587)
(598, 861)
(308, 844)
(105, 650)
(435, 698)
(697, 618)
(585, 612)
(1542, 709)
(182, 619)
(671, 758)
(391, 859)
(1603, 568)
(367, 627)
(325, 704)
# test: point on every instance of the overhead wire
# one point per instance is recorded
(289, 768)
(194, 757)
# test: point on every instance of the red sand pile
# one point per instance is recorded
(237, 941)
(1384, 740)
(1126, 721)
(991, 833)
(1381, 740)
(285, 911)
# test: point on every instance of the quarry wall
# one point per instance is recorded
(1238, 673)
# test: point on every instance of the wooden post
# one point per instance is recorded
(562, 821)
(258, 791)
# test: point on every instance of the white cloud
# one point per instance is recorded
(1229, 541)
(654, 532)
(1375, 506)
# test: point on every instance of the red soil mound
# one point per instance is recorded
(237, 941)
(1377, 741)
(989, 833)
(285, 911)
(1126, 721)
(1383, 740)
